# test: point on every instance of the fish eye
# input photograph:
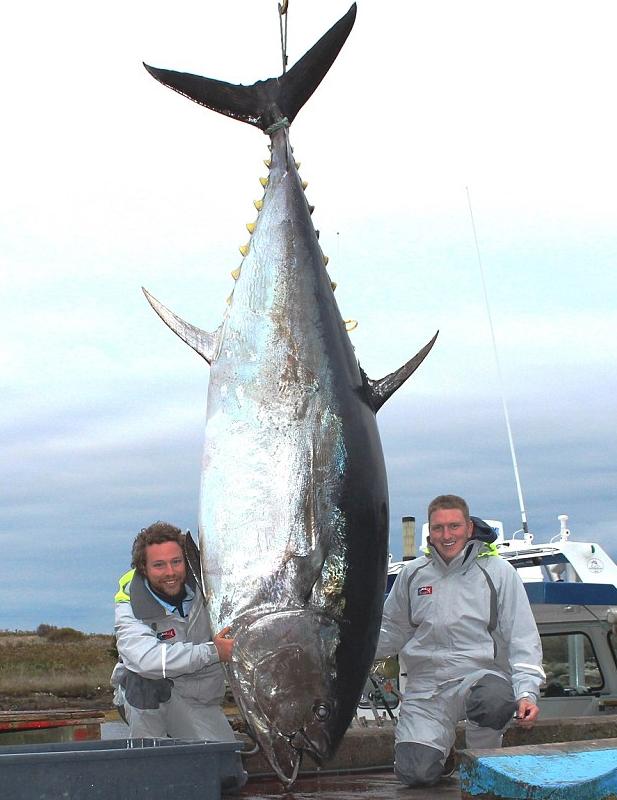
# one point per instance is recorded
(321, 711)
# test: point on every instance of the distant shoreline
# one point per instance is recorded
(53, 668)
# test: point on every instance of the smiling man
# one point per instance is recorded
(168, 679)
(460, 619)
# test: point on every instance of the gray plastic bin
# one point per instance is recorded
(117, 769)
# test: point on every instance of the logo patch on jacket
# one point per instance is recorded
(425, 590)
(163, 636)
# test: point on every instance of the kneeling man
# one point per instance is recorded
(169, 680)
(460, 619)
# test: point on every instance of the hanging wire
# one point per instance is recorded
(283, 29)
(519, 490)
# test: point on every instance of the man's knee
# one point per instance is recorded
(491, 703)
(418, 764)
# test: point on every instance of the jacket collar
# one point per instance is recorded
(463, 559)
(144, 603)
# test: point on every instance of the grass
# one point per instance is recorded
(62, 668)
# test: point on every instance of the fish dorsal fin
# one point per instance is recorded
(381, 390)
(202, 342)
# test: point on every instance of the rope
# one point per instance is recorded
(276, 126)
(283, 29)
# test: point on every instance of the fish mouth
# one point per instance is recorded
(286, 751)
(282, 675)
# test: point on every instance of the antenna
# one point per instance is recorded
(519, 490)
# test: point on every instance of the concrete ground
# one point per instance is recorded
(368, 785)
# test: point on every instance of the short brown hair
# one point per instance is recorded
(448, 501)
(157, 533)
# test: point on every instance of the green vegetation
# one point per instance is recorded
(54, 668)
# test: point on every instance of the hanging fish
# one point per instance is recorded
(293, 520)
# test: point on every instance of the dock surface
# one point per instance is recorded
(368, 785)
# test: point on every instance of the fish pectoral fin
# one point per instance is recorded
(192, 557)
(309, 569)
(202, 342)
(380, 390)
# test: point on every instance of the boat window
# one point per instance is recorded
(570, 665)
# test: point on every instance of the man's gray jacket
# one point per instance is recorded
(449, 620)
(160, 650)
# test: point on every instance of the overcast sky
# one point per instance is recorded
(109, 182)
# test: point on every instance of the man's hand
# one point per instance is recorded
(224, 644)
(526, 713)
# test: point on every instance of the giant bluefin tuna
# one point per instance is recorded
(293, 522)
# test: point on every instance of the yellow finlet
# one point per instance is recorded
(259, 204)
(250, 226)
(333, 284)
(350, 324)
(263, 181)
(325, 261)
(304, 184)
(244, 250)
(229, 299)
(268, 162)
(235, 273)
(297, 163)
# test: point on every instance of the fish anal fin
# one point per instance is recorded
(202, 342)
(380, 390)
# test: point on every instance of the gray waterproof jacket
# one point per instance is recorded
(161, 651)
(449, 620)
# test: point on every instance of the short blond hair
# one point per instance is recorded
(448, 501)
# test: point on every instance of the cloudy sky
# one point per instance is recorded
(110, 182)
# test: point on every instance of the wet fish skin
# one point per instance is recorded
(294, 500)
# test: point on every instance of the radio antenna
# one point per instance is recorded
(519, 489)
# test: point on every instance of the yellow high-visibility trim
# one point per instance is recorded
(122, 595)
(489, 550)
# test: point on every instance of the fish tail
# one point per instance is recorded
(265, 103)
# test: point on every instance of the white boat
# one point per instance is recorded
(572, 587)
